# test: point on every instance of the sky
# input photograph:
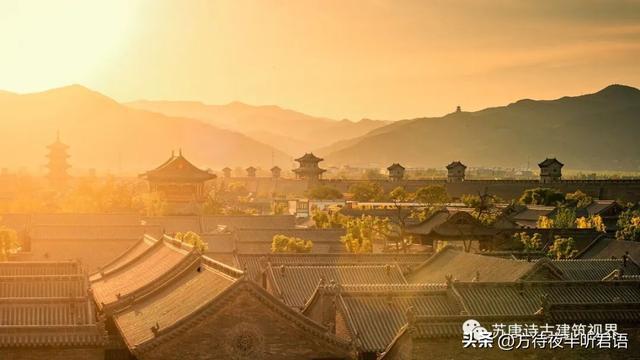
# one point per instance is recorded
(379, 59)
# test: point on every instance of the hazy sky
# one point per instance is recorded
(342, 59)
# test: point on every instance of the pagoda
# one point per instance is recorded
(309, 168)
(58, 163)
(179, 180)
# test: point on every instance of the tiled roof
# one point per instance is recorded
(254, 264)
(84, 219)
(174, 224)
(47, 310)
(196, 294)
(607, 248)
(549, 161)
(43, 286)
(139, 248)
(374, 316)
(177, 168)
(266, 235)
(220, 243)
(16, 268)
(140, 275)
(595, 313)
(594, 269)
(526, 298)
(234, 222)
(451, 223)
(192, 289)
(455, 164)
(295, 284)
(598, 206)
(92, 232)
(308, 157)
(465, 266)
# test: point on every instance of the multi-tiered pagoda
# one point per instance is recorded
(58, 163)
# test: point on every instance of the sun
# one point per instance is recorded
(53, 43)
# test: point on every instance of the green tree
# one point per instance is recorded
(578, 199)
(432, 194)
(286, 244)
(542, 196)
(629, 225)
(562, 248)
(192, 239)
(328, 219)
(530, 243)
(364, 231)
(367, 191)
(565, 218)
(324, 192)
(8, 243)
(591, 222)
(484, 207)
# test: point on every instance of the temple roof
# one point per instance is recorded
(255, 264)
(295, 284)
(549, 161)
(142, 273)
(47, 304)
(92, 232)
(594, 269)
(456, 164)
(375, 313)
(33, 268)
(465, 266)
(309, 157)
(452, 224)
(197, 293)
(395, 166)
(276, 168)
(185, 294)
(179, 169)
(526, 298)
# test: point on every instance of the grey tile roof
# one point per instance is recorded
(295, 284)
(466, 266)
(594, 269)
(525, 298)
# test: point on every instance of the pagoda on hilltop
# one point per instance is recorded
(179, 180)
(309, 168)
(58, 164)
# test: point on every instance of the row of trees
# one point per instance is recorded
(561, 248)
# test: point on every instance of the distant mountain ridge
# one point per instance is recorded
(290, 131)
(106, 135)
(595, 131)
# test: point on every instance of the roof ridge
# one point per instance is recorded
(155, 243)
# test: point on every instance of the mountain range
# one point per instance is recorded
(290, 131)
(596, 131)
(106, 135)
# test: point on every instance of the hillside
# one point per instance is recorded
(596, 131)
(290, 131)
(106, 135)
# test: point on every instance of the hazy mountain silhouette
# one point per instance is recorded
(104, 134)
(288, 130)
(596, 131)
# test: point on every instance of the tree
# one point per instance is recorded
(530, 243)
(192, 239)
(565, 218)
(367, 191)
(578, 199)
(629, 225)
(484, 207)
(151, 203)
(542, 196)
(328, 219)
(324, 192)
(280, 208)
(8, 243)
(562, 248)
(545, 223)
(591, 222)
(432, 194)
(286, 244)
(364, 231)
